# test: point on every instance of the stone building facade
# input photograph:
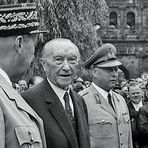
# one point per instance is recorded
(127, 29)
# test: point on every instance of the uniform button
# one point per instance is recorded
(103, 121)
(121, 143)
(118, 122)
(32, 139)
(120, 134)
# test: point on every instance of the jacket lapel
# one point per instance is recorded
(14, 96)
(117, 105)
(102, 101)
(80, 121)
(105, 105)
(57, 110)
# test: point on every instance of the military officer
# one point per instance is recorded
(109, 121)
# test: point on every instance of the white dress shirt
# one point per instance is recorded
(101, 91)
(60, 93)
(137, 106)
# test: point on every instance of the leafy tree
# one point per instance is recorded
(73, 19)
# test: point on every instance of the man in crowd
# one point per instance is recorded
(20, 126)
(109, 122)
(78, 85)
(22, 85)
(62, 110)
(142, 125)
(135, 96)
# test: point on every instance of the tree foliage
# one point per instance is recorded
(73, 19)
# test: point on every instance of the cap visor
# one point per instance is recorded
(37, 31)
(110, 64)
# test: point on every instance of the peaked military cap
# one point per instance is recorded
(104, 56)
(18, 19)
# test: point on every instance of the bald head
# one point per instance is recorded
(56, 44)
(60, 58)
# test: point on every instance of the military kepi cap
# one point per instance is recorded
(104, 56)
(18, 19)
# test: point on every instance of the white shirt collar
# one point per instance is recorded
(3, 73)
(101, 91)
(137, 106)
(60, 93)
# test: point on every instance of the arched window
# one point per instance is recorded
(113, 19)
(131, 19)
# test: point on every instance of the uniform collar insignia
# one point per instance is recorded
(98, 100)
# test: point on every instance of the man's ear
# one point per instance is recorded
(18, 44)
(93, 71)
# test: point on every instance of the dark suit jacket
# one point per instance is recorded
(58, 129)
(133, 118)
(142, 124)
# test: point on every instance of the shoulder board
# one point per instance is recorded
(83, 92)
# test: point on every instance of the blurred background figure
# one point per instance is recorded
(34, 81)
(117, 88)
(142, 84)
(124, 90)
(78, 84)
(146, 93)
(136, 101)
(23, 85)
(16, 87)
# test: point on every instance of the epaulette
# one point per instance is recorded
(83, 92)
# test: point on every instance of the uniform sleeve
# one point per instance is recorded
(2, 130)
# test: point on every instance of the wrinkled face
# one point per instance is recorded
(61, 63)
(135, 94)
(105, 78)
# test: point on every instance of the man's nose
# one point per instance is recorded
(115, 72)
(66, 65)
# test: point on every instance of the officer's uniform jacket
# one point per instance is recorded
(20, 126)
(108, 128)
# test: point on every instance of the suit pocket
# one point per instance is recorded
(101, 127)
(28, 136)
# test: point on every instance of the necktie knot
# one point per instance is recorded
(109, 96)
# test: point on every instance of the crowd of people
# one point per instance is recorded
(135, 93)
(63, 110)
(22, 85)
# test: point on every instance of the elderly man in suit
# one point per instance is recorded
(109, 122)
(63, 111)
(20, 126)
